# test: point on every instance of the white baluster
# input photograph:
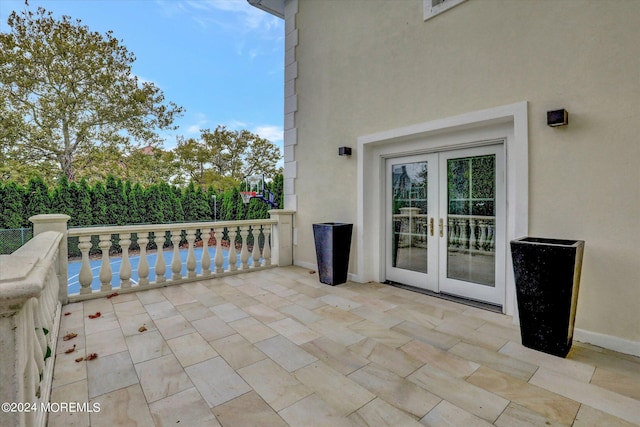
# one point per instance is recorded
(40, 342)
(492, 232)
(86, 276)
(191, 257)
(483, 233)
(143, 264)
(219, 258)
(452, 231)
(266, 249)
(205, 261)
(255, 253)
(176, 262)
(244, 252)
(125, 266)
(233, 257)
(160, 267)
(472, 234)
(105, 268)
(464, 239)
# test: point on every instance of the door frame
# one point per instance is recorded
(508, 122)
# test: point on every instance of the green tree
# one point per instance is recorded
(230, 205)
(192, 156)
(153, 205)
(12, 212)
(65, 90)
(81, 204)
(98, 204)
(61, 200)
(36, 200)
(115, 200)
(133, 193)
(223, 158)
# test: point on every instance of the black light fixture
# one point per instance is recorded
(557, 118)
(344, 151)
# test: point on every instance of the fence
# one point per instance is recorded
(13, 238)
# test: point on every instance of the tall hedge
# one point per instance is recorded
(118, 202)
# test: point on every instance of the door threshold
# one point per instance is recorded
(448, 297)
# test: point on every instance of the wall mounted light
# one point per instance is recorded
(557, 118)
(344, 151)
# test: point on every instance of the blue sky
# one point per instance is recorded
(222, 60)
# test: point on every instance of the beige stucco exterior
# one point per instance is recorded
(361, 67)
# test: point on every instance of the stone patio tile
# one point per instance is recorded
(497, 361)
(237, 351)
(394, 389)
(186, 408)
(341, 393)
(122, 407)
(191, 348)
(448, 414)
(312, 411)
(460, 393)
(543, 402)
(216, 381)
(396, 361)
(162, 377)
(212, 328)
(146, 346)
(277, 387)
(454, 365)
(248, 410)
(252, 329)
(335, 355)
(294, 331)
(73, 392)
(109, 373)
(285, 353)
(379, 413)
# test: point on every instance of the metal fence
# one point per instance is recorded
(11, 239)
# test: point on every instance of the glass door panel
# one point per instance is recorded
(411, 254)
(471, 219)
(472, 213)
(409, 207)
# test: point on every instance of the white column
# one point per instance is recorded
(56, 222)
(282, 237)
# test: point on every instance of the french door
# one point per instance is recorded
(445, 221)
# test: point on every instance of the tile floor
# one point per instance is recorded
(278, 348)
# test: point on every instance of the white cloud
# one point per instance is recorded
(270, 132)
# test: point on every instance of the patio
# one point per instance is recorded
(276, 347)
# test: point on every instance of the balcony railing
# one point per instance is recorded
(465, 233)
(29, 321)
(33, 285)
(252, 238)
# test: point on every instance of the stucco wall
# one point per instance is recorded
(365, 66)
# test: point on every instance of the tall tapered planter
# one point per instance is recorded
(547, 275)
(333, 243)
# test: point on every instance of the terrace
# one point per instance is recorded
(257, 341)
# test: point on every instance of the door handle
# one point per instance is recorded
(441, 227)
(431, 226)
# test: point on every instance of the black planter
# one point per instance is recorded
(333, 242)
(547, 275)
